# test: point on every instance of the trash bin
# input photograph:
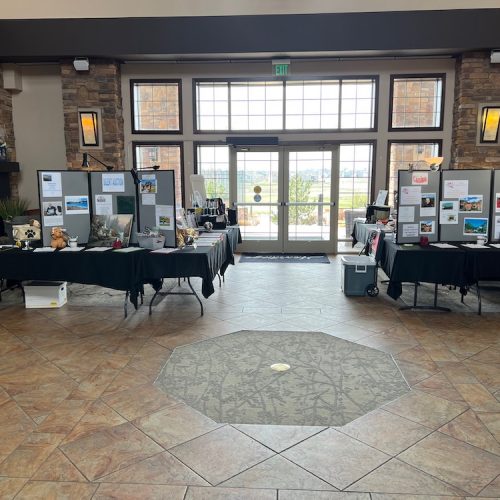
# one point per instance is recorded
(359, 275)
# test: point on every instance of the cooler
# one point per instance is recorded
(359, 275)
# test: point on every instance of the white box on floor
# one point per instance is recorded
(45, 294)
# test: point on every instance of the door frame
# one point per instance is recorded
(282, 244)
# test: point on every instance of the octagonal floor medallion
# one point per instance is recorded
(329, 382)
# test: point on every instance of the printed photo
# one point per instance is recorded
(105, 229)
(428, 200)
(451, 219)
(164, 221)
(471, 203)
(447, 205)
(427, 227)
(75, 205)
(475, 227)
(147, 186)
(52, 208)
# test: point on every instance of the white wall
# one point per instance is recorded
(38, 126)
(36, 9)
(382, 68)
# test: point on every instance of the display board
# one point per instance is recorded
(495, 207)
(465, 204)
(64, 202)
(418, 205)
(157, 202)
(114, 193)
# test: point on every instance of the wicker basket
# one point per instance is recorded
(150, 242)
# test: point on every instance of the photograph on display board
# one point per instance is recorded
(427, 227)
(75, 205)
(106, 229)
(471, 204)
(52, 213)
(428, 200)
(475, 227)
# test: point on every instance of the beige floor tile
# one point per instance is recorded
(175, 425)
(129, 378)
(200, 493)
(336, 458)
(16, 426)
(139, 401)
(416, 365)
(385, 431)
(454, 462)
(58, 468)
(425, 409)
(98, 417)
(320, 495)
(95, 384)
(469, 428)
(278, 437)
(397, 477)
(478, 397)
(438, 385)
(489, 355)
(139, 492)
(9, 487)
(163, 468)
(487, 373)
(348, 332)
(44, 490)
(64, 417)
(456, 372)
(177, 339)
(492, 422)
(492, 490)
(221, 454)
(109, 450)
(388, 496)
(29, 455)
(279, 473)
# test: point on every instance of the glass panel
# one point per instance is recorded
(417, 102)
(212, 105)
(156, 106)
(213, 164)
(401, 155)
(355, 173)
(310, 180)
(358, 104)
(167, 157)
(257, 194)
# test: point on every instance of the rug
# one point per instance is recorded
(330, 381)
(291, 258)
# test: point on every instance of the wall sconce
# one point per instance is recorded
(85, 161)
(490, 123)
(89, 125)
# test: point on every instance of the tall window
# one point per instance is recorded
(212, 162)
(167, 156)
(401, 154)
(355, 179)
(417, 102)
(156, 106)
(333, 104)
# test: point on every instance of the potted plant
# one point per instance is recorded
(12, 212)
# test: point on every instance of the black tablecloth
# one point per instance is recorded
(422, 264)
(482, 264)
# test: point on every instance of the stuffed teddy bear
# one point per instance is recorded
(59, 238)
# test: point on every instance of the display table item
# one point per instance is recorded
(359, 275)
(45, 294)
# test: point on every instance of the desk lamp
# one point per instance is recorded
(135, 174)
(85, 162)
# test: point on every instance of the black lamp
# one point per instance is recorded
(135, 174)
(85, 161)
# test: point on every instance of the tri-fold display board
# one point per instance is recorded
(70, 199)
(448, 206)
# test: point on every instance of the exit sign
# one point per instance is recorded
(281, 69)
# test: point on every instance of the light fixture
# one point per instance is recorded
(135, 172)
(81, 64)
(89, 126)
(85, 161)
(490, 123)
(495, 57)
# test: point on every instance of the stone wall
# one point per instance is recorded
(100, 87)
(7, 132)
(477, 82)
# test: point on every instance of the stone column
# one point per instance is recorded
(477, 81)
(100, 87)
(7, 132)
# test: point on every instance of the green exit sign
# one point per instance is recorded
(281, 69)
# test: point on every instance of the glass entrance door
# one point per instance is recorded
(285, 198)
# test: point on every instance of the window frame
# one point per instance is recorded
(397, 76)
(135, 130)
(374, 129)
(390, 142)
(163, 143)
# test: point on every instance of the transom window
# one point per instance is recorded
(156, 106)
(212, 161)
(333, 104)
(167, 156)
(417, 102)
(402, 154)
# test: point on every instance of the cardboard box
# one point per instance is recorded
(45, 294)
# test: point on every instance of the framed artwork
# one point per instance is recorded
(105, 229)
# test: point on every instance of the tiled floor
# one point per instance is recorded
(80, 417)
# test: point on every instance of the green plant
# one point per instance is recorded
(10, 208)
